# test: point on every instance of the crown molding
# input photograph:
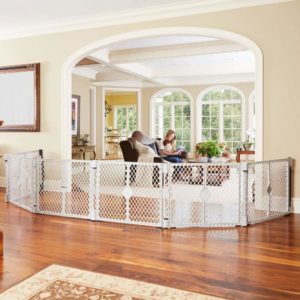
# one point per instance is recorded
(165, 11)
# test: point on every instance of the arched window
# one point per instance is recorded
(221, 116)
(171, 109)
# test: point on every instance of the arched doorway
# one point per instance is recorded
(81, 53)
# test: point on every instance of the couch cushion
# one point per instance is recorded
(154, 147)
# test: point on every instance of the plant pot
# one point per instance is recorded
(209, 159)
(247, 146)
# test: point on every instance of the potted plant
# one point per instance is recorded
(247, 145)
(209, 149)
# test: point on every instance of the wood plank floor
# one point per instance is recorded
(257, 262)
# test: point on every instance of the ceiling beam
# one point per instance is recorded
(192, 49)
(86, 62)
(134, 69)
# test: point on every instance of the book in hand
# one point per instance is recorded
(179, 150)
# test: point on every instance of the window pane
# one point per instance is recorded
(227, 109)
(172, 111)
(216, 95)
(205, 134)
(205, 110)
(177, 96)
(227, 135)
(236, 109)
(185, 97)
(167, 122)
(187, 146)
(178, 110)
(236, 122)
(235, 146)
(215, 135)
(186, 122)
(215, 109)
(178, 136)
(186, 134)
(227, 122)
(167, 109)
(235, 96)
(178, 122)
(205, 122)
(215, 122)
(167, 97)
(230, 146)
(207, 97)
(186, 110)
(236, 134)
(226, 95)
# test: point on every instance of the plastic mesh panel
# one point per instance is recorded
(205, 195)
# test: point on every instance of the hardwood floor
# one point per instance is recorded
(257, 262)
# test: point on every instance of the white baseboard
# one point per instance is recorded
(2, 182)
(295, 205)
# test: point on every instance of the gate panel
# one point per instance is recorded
(130, 193)
(22, 179)
(268, 190)
(67, 188)
(204, 195)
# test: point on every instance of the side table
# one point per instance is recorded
(243, 152)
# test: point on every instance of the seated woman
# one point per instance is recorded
(168, 149)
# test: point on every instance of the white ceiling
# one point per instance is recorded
(170, 61)
(19, 18)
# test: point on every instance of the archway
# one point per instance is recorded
(160, 31)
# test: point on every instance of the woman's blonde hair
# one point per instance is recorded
(169, 132)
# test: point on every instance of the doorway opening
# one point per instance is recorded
(150, 61)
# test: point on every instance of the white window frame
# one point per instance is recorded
(127, 106)
(200, 102)
(152, 111)
(251, 103)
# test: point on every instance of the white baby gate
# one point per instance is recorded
(150, 194)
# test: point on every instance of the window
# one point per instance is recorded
(172, 110)
(221, 117)
(125, 119)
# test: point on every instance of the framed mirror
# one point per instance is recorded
(20, 98)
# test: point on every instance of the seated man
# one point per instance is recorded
(146, 153)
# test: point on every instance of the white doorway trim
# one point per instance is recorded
(66, 91)
(251, 112)
(93, 115)
(119, 89)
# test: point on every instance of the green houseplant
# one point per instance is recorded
(209, 149)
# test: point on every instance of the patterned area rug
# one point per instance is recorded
(58, 282)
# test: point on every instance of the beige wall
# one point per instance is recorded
(274, 28)
(81, 87)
